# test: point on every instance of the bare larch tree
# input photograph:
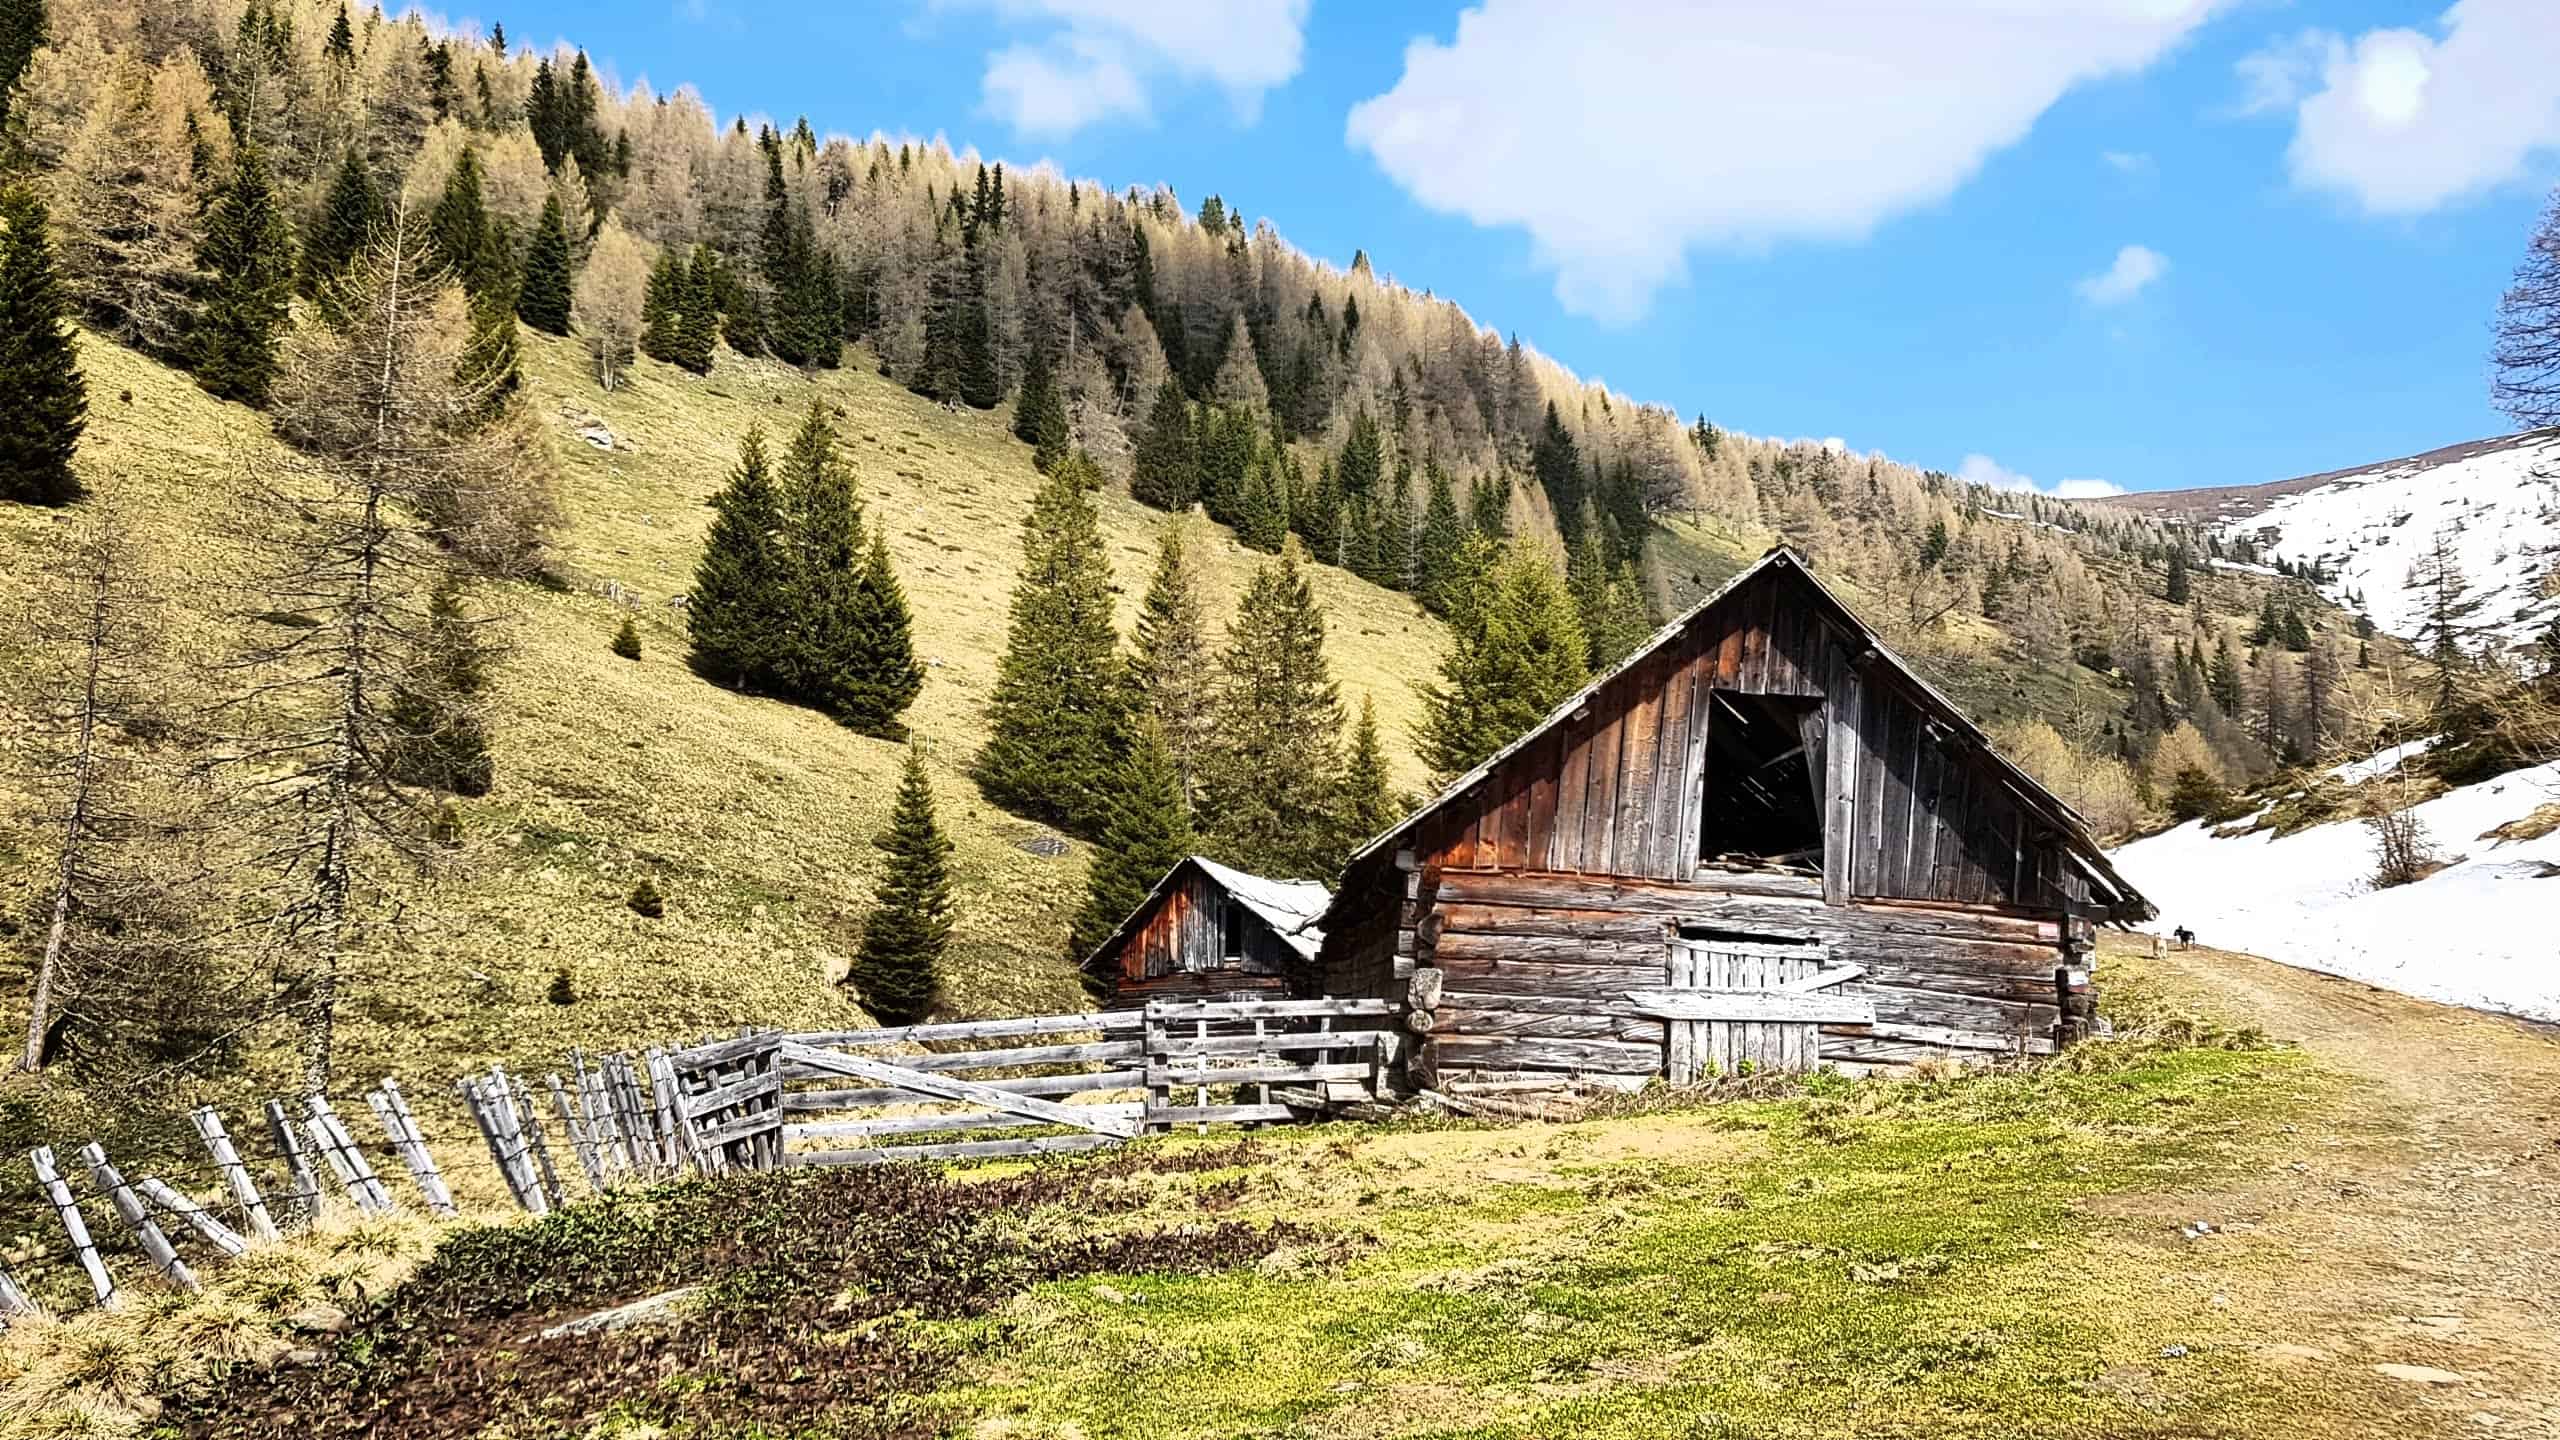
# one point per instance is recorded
(400, 487)
(2525, 359)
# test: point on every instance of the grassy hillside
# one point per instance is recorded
(755, 818)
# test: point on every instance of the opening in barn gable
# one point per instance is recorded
(1763, 803)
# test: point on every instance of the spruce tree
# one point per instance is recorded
(247, 256)
(662, 311)
(697, 338)
(1489, 507)
(1557, 463)
(1516, 651)
(542, 297)
(22, 33)
(1148, 833)
(1605, 600)
(1055, 718)
(898, 970)
(1166, 473)
(2224, 682)
(738, 613)
(438, 739)
(1362, 464)
(1271, 787)
(344, 225)
(48, 400)
(1368, 805)
(981, 383)
(2180, 586)
(1038, 389)
(850, 651)
(459, 228)
(1435, 545)
(1170, 666)
(1391, 545)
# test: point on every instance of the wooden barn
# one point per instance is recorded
(1760, 841)
(1207, 932)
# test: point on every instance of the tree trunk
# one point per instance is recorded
(75, 827)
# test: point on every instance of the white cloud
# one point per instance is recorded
(2135, 268)
(2129, 162)
(1979, 469)
(1093, 60)
(2402, 121)
(1620, 133)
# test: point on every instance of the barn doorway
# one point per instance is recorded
(1763, 797)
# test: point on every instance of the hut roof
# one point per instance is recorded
(2077, 842)
(1289, 907)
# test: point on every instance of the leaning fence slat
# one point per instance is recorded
(515, 1157)
(222, 1237)
(100, 1283)
(226, 1158)
(530, 1122)
(472, 1100)
(579, 1138)
(362, 1168)
(155, 1243)
(422, 1161)
(288, 1143)
(13, 1298)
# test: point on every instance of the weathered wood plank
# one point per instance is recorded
(946, 1087)
(220, 1236)
(146, 1231)
(929, 1124)
(1505, 1053)
(1108, 1021)
(74, 1226)
(811, 1101)
(1759, 1006)
(226, 1158)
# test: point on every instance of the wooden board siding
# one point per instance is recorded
(1911, 812)
(1180, 950)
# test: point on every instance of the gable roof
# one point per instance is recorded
(2079, 845)
(1289, 907)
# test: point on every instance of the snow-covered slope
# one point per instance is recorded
(2484, 931)
(2501, 498)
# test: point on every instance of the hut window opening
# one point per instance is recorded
(1231, 932)
(1763, 798)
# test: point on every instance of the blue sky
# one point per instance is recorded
(2149, 243)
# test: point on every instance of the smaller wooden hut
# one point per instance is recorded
(1208, 932)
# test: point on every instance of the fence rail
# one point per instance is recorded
(759, 1100)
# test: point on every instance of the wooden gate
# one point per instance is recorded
(1750, 1002)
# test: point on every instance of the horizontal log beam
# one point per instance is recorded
(946, 1087)
(961, 1150)
(1775, 1006)
(807, 1101)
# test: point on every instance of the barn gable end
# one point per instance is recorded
(1207, 931)
(1763, 767)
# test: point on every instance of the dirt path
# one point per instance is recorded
(2414, 1221)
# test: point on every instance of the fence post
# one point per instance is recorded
(226, 1158)
(579, 1138)
(102, 1284)
(469, 1089)
(222, 1237)
(345, 1160)
(155, 1244)
(1159, 1060)
(306, 1186)
(529, 1121)
(392, 1109)
(519, 1160)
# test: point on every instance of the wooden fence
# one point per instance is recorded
(760, 1100)
(953, 1091)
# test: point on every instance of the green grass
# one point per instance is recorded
(1873, 1259)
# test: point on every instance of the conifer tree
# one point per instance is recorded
(22, 33)
(248, 257)
(1170, 666)
(1516, 651)
(438, 739)
(459, 227)
(738, 612)
(1435, 545)
(1605, 599)
(1362, 464)
(542, 297)
(697, 337)
(1489, 507)
(2445, 614)
(1272, 779)
(1368, 805)
(898, 970)
(1039, 390)
(2180, 586)
(850, 651)
(344, 226)
(1148, 833)
(1391, 546)
(48, 400)
(2223, 682)
(1557, 463)
(662, 311)
(1167, 470)
(1262, 521)
(1055, 719)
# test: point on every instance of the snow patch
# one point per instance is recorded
(2478, 932)
(2356, 772)
(2369, 528)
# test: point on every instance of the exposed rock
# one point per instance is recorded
(318, 1318)
(1046, 846)
(2419, 1374)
